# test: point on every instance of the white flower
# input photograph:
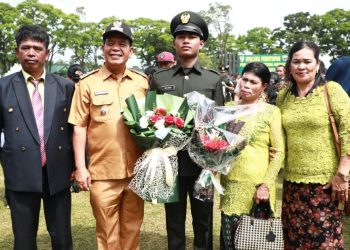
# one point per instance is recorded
(149, 113)
(174, 113)
(160, 124)
(213, 134)
(162, 133)
(143, 122)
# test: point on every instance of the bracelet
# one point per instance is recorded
(345, 178)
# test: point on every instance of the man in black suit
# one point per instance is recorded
(37, 156)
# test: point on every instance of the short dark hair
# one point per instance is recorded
(34, 32)
(259, 69)
(274, 78)
(150, 70)
(72, 72)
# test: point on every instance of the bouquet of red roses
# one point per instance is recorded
(160, 124)
(215, 141)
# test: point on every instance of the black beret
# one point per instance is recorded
(191, 22)
(118, 27)
(73, 69)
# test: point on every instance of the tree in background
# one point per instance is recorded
(85, 44)
(51, 19)
(330, 31)
(296, 27)
(150, 38)
(221, 41)
(258, 41)
(333, 32)
(8, 25)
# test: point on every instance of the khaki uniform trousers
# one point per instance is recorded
(118, 212)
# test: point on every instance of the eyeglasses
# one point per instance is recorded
(245, 79)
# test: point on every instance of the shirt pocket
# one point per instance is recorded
(102, 108)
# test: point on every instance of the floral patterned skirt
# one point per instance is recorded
(310, 219)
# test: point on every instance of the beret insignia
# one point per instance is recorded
(185, 18)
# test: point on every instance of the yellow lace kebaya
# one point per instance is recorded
(311, 155)
(253, 167)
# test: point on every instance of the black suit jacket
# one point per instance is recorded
(20, 155)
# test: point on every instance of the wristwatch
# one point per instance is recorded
(343, 176)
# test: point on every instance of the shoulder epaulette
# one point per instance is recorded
(89, 73)
(214, 71)
(160, 70)
(138, 72)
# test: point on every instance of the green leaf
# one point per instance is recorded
(133, 107)
(147, 142)
(131, 124)
(151, 101)
(184, 108)
(127, 115)
(148, 132)
(189, 117)
(171, 103)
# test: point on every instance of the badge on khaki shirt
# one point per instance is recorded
(103, 110)
(101, 92)
(167, 87)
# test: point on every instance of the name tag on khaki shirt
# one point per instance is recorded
(101, 92)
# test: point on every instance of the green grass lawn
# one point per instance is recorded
(153, 236)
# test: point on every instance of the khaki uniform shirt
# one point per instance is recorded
(96, 104)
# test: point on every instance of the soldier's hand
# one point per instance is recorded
(272, 153)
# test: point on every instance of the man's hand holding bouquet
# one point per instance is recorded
(160, 124)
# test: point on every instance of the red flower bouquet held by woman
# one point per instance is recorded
(215, 141)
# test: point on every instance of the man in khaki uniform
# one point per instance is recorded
(95, 112)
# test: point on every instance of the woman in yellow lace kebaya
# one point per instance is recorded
(315, 180)
(253, 176)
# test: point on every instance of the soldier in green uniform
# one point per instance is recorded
(190, 33)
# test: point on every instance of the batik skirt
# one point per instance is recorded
(310, 219)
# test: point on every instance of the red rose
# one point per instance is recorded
(160, 111)
(205, 139)
(155, 118)
(214, 145)
(179, 122)
(169, 120)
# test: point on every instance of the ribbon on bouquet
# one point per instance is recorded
(216, 184)
(151, 162)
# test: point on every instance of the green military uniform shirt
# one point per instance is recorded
(179, 81)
